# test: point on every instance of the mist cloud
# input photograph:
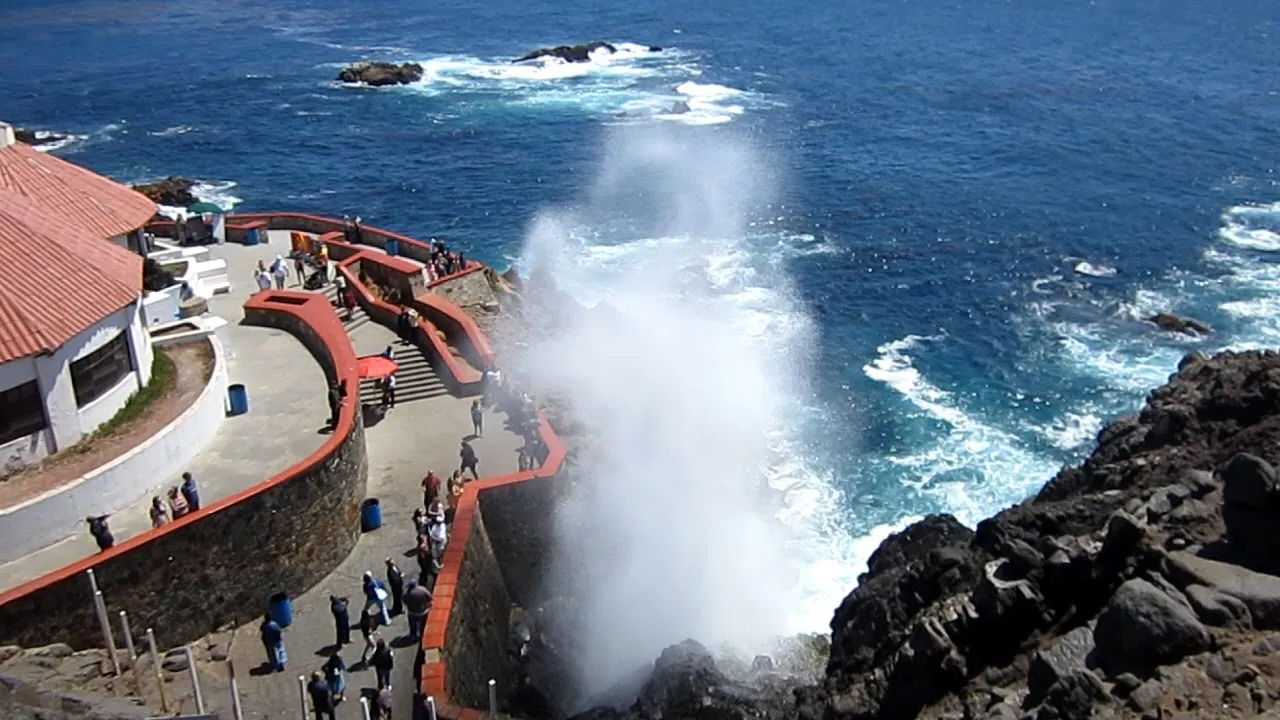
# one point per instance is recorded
(669, 535)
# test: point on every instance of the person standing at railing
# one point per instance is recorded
(100, 532)
(190, 492)
(417, 601)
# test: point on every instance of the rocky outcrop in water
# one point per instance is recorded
(1179, 324)
(378, 74)
(1143, 583)
(568, 53)
(173, 191)
(38, 138)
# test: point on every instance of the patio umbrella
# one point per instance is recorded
(201, 208)
(376, 366)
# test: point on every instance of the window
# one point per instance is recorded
(100, 370)
(21, 412)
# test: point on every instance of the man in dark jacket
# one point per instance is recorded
(100, 532)
(341, 619)
(417, 601)
(383, 662)
(395, 581)
(190, 492)
(321, 697)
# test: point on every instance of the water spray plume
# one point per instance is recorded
(669, 534)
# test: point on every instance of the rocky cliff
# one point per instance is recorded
(1140, 584)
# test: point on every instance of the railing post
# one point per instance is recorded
(364, 707)
(302, 696)
(155, 665)
(100, 607)
(431, 707)
(133, 652)
(195, 678)
(236, 712)
(493, 698)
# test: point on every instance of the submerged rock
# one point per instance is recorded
(568, 53)
(378, 74)
(1179, 324)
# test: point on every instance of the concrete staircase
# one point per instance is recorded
(416, 380)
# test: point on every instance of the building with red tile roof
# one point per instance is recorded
(73, 343)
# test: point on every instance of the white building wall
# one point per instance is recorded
(21, 452)
(16, 372)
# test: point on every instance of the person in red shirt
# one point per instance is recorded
(430, 488)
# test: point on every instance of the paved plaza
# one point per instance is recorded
(287, 408)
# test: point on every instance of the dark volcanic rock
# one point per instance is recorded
(37, 137)
(1179, 324)
(1142, 627)
(170, 191)
(378, 74)
(568, 53)
(1250, 508)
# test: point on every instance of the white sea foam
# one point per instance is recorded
(216, 192)
(1099, 271)
(45, 141)
(975, 468)
(172, 131)
(1256, 227)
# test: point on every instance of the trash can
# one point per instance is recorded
(370, 515)
(237, 399)
(252, 237)
(393, 246)
(280, 609)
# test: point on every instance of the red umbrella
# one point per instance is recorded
(376, 366)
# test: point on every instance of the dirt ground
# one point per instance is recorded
(193, 364)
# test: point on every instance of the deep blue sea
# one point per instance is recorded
(973, 202)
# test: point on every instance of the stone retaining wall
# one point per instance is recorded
(219, 565)
(478, 607)
(519, 519)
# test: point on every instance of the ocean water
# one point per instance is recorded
(977, 201)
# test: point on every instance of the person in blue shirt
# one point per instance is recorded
(273, 643)
(375, 594)
(190, 492)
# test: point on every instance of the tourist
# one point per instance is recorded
(159, 512)
(335, 404)
(348, 296)
(375, 594)
(469, 459)
(357, 232)
(417, 601)
(389, 391)
(428, 566)
(279, 272)
(477, 418)
(177, 503)
(430, 489)
(346, 228)
(264, 279)
(100, 532)
(189, 491)
(389, 353)
(368, 628)
(437, 531)
(383, 662)
(419, 521)
(335, 669)
(383, 702)
(395, 581)
(300, 268)
(455, 495)
(273, 642)
(341, 619)
(490, 382)
(321, 697)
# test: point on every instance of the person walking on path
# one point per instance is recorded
(300, 269)
(341, 620)
(159, 512)
(368, 628)
(335, 675)
(383, 703)
(383, 662)
(477, 418)
(321, 697)
(190, 492)
(273, 643)
(469, 460)
(336, 397)
(263, 277)
(100, 532)
(417, 601)
(395, 581)
(430, 489)
(389, 391)
(279, 271)
(375, 594)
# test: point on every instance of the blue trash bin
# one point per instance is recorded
(280, 609)
(237, 399)
(370, 515)
(252, 237)
(393, 246)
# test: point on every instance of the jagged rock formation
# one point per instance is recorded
(1179, 324)
(173, 190)
(568, 53)
(378, 74)
(38, 137)
(1140, 584)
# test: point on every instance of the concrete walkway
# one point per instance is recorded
(415, 436)
(287, 408)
